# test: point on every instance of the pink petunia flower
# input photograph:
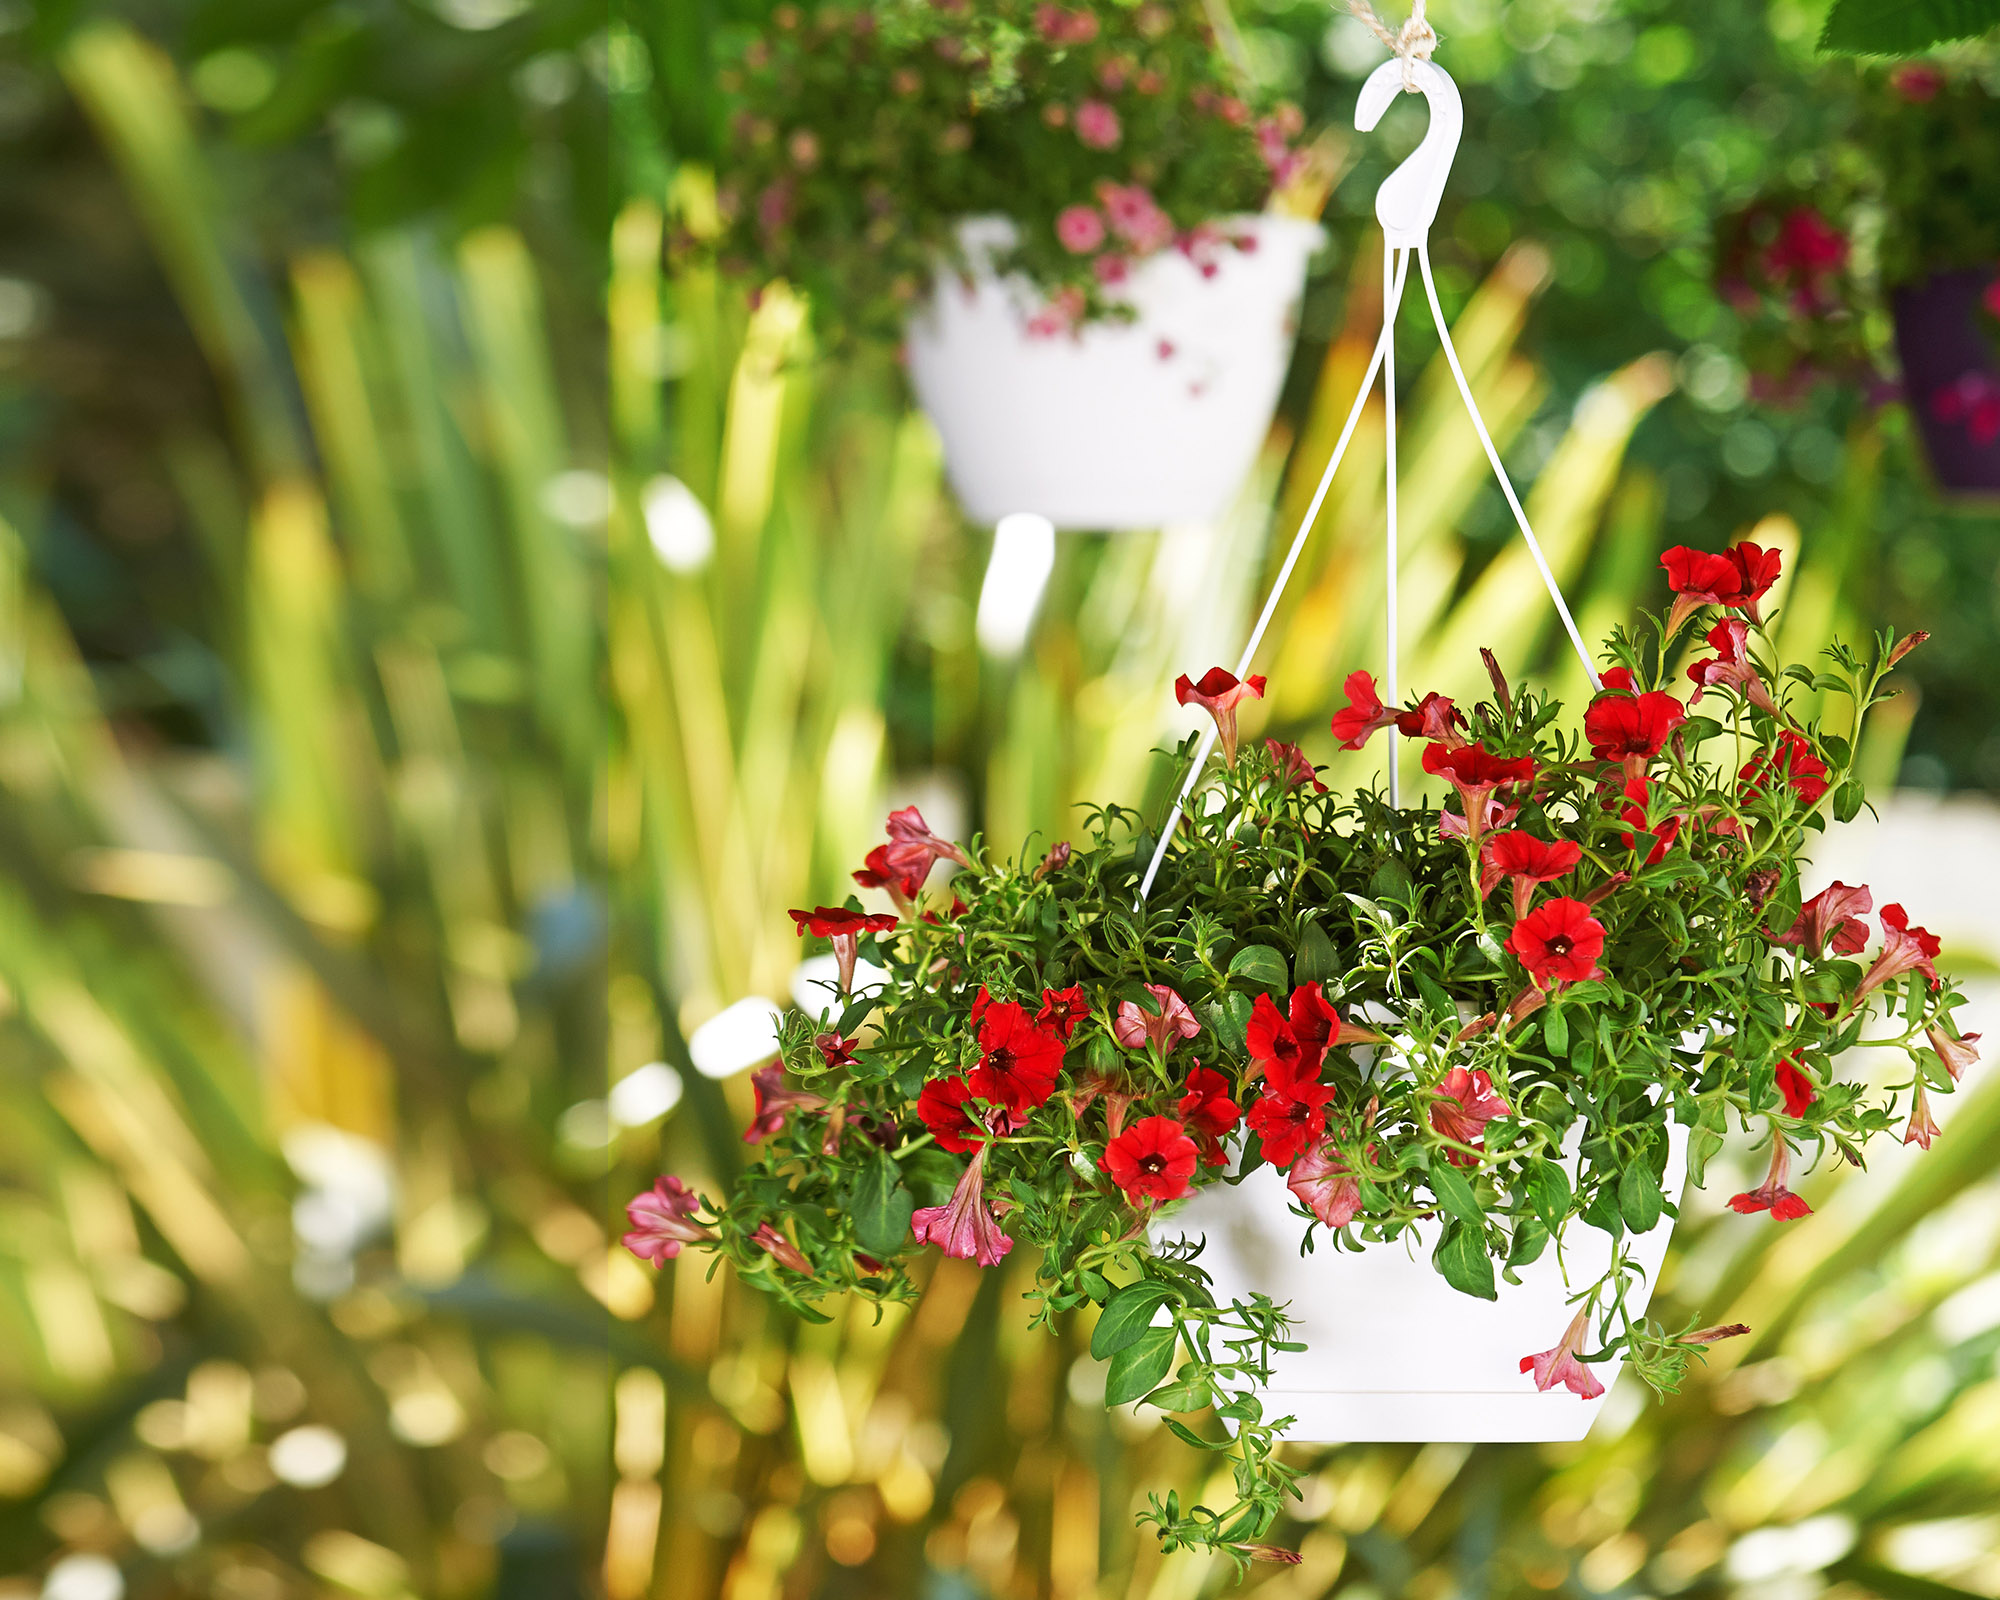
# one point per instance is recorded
(1080, 229)
(775, 1102)
(1324, 1186)
(1137, 1029)
(1465, 1103)
(965, 1228)
(1832, 917)
(1954, 1051)
(1904, 949)
(1731, 667)
(1097, 125)
(1922, 1128)
(781, 1249)
(1561, 1364)
(663, 1220)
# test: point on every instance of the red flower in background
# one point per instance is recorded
(1324, 1186)
(1363, 714)
(1433, 717)
(913, 849)
(1923, 1127)
(844, 928)
(1466, 1102)
(1527, 860)
(1739, 577)
(1062, 1010)
(1631, 728)
(663, 1220)
(1476, 773)
(1956, 1053)
(1219, 693)
(965, 1228)
(781, 1249)
(1558, 942)
(1135, 1028)
(1793, 761)
(941, 1108)
(1561, 1364)
(1294, 770)
(1833, 916)
(1904, 949)
(1772, 1194)
(1796, 1087)
(1209, 1111)
(1154, 1159)
(1290, 1114)
(1731, 667)
(775, 1102)
(1019, 1063)
(1638, 794)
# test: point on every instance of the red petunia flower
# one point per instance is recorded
(1796, 1087)
(781, 1249)
(1323, 1185)
(1757, 570)
(1638, 794)
(1154, 1159)
(1558, 942)
(1298, 1041)
(1527, 860)
(1773, 1194)
(1294, 770)
(1135, 1028)
(1210, 1113)
(1019, 1061)
(1290, 1114)
(876, 873)
(1832, 917)
(1476, 773)
(1433, 717)
(663, 1220)
(1923, 1128)
(964, 1228)
(1793, 761)
(1356, 722)
(1731, 667)
(1904, 949)
(1955, 1052)
(1062, 1010)
(775, 1102)
(1738, 578)
(1631, 728)
(835, 1050)
(1561, 1364)
(1618, 680)
(941, 1108)
(1466, 1102)
(1219, 693)
(913, 849)
(844, 928)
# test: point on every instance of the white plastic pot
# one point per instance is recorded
(1119, 425)
(1393, 1352)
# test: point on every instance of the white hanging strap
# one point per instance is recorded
(1500, 472)
(1389, 547)
(1392, 300)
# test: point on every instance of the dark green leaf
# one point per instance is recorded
(1639, 1198)
(1187, 1435)
(1462, 1258)
(1848, 800)
(1548, 1192)
(881, 1207)
(1127, 1316)
(1555, 1030)
(1452, 1191)
(1530, 1240)
(1390, 880)
(1702, 1145)
(1259, 966)
(1137, 1368)
(1316, 959)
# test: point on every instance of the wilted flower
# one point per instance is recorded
(663, 1220)
(1796, 1087)
(781, 1249)
(835, 1050)
(1054, 861)
(965, 1228)
(1219, 693)
(1731, 667)
(1922, 1128)
(775, 1102)
(876, 873)
(1135, 1028)
(1561, 1364)
(1154, 1159)
(1294, 770)
(1832, 917)
(1955, 1052)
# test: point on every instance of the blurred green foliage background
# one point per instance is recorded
(390, 785)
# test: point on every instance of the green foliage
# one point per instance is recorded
(1904, 27)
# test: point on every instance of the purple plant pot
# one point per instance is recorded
(1950, 377)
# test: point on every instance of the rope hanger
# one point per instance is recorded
(1406, 205)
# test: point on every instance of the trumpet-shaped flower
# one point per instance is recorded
(1323, 1185)
(876, 873)
(1953, 1050)
(1363, 714)
(844, 929)
(1794, 762)
(1154, 1159)
(1731, 667)
(941, 1108)
(1018, 1060)
(781, 1249)
(1558, 942)
(1904, 949)
(913, 849)
(1796, 1087)
(1062, 1010)
(1562, 1365)
(1211, 1115)
(1774, 1193)
(1832, 918)
(1298, 1041)
(1219, 693)
(1135, 1028)
(1528, 861)
(775, 1102)
(1294, 770)
(1477, 774)
(663, 1220)
(965, 1228)
(1631, 728)
(1465, 1103)
(1290, 1115)
(1922, 1128)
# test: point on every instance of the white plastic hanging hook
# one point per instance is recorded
(1407, 203)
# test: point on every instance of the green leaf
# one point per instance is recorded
(1183, 1394)
(1259, 966)
(1702, 1145)
(1187, 1435)
(1848, 800)
(1555, 1030)
(881, 1207)
(1697, 729)
(1462, 1258)
(1548, 1192)
(1452, 1191)
(1530, 1240)
(1127, 1316)
(1903, 27)
(1316, 959)
(1639, 1198)
(1138, 1368)
(1390, 881)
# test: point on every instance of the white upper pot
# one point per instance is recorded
(1393, 1352)
(1117, 425)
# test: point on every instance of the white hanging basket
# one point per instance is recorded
(1120, 425)
(1393, 1352)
